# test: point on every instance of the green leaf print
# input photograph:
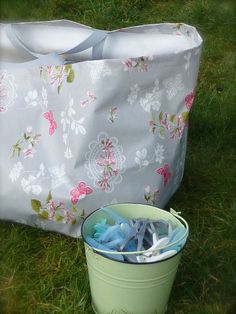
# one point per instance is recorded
(70, 77)
(36, 205)
(49, 197)
(172, 118)
(43, 214)
(185, 116)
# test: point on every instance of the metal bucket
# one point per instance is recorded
(121, 287)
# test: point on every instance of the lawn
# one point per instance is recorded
(42, 272)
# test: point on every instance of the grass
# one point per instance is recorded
(42, 272)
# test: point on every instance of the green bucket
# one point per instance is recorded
(121, 287)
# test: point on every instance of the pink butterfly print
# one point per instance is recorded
(53, 125)
(189, 100)
(165, 172)
(80, 192)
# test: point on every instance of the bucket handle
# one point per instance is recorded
(175, 214)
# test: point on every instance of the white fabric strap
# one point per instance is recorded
(95, 40)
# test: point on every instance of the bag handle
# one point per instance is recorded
(95, 41)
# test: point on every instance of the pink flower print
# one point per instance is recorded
(180, 126)
(104, 182)
(106, 161)
(69, 217)
(54, 211)
(189, 100)
(164, 120)
(128, 65)
(36, 138)
(26, 144)
(176, 128)
(53, 125)
(29, 152)
(56, 75)
(2, 109)
(80, 192)
(165, 172)
(51, 210)
(107, 145)
(84, 103)
(91, 98)
(91, 95)
(152, 126)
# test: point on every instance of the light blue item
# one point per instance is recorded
(95, 244)
(136, 235)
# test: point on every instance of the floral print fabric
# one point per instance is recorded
(93, 133)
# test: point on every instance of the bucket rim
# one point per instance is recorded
(172, 212)
(138, 263)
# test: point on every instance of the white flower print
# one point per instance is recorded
(16, 171)
(150, 195)
(68, 154)
(78, 127)
(64, 138)
(140, 157)
(41, 172)
(187, 57)
(133, 95)
(8, 89)
(30, 183)
(44, 98)
(28, 186)
(67, 119)
(159, 150)
(156, 154)
(32, 98)
(173, 85)
(151, 100)
(101, 70)
(57, 175)
(69, 123)
(147, 189)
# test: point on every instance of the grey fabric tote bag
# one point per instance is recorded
(91, 117)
